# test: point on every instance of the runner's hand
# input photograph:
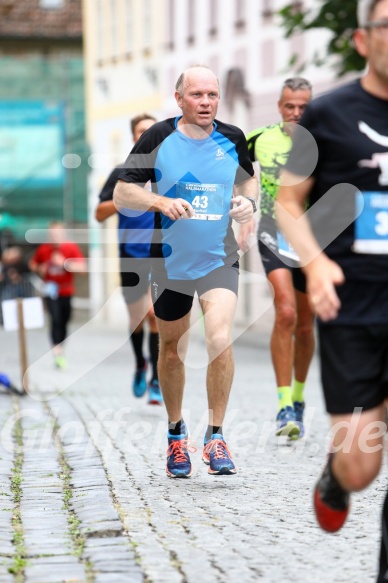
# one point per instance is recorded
(176, 208)
(246, 237)
(323, 275)
(242, 210)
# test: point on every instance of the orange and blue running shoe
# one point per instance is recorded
(218, 457)
(331, 501)
(178, 459)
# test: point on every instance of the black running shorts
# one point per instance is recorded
(270, 256)
(354, 366)
(173, 299)
(271, 261)
(135, 277)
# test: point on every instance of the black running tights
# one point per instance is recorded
(60, 312)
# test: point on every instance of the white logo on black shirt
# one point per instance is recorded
(380, 159)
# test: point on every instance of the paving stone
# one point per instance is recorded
(118, 541)
(112, 550)
(56, 560)
(5, 576)
(92, 516)
(61, 548)
(129, 577)
(51, 573)
(114, 555)
(7, 548)
(95, 528)
(118, 566)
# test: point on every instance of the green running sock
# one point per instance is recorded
(284, 397)
(298, 391)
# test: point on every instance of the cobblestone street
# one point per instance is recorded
(85, 498)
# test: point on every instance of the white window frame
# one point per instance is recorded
(147, 23)
(100, 29)
(51, 4)
(129, 29)
(114, 28)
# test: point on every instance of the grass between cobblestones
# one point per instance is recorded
(78, 540)
(19, 559)
(122, 516)
(120, 511)
(176, 563)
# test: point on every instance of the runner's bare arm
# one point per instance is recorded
(129, 195)
(104, 210)
(242, 210)
(322, 273)
(245, 240)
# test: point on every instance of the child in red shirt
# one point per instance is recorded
(52, 261)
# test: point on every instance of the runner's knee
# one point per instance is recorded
(170, 355)
(304, 332)
(286, 316)
(218, 343)
(357, 470)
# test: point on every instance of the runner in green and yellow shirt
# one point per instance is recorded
(292, 340)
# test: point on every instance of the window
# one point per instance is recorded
(147, 23)
(213, 18)
(114, 28)
(99, 30)
(240, 15)
(129, 25)
(191, 22)
(171, 25)
(57, 4)
(268, 10)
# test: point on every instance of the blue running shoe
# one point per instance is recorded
(286, 424)
(139, 384)
(299, 410)
(219, 456)
(155, 396)
(178, 459)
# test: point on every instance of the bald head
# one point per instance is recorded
(184, 78)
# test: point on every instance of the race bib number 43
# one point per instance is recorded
(371, 226)
(207, 200)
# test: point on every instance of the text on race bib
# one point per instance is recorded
(371, 226)
(207, 200)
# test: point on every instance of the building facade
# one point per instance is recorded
(42, 114)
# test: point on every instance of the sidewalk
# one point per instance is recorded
(85, 498)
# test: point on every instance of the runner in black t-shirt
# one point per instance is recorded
(135, 232)
(348, 284)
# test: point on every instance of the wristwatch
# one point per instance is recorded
(253, 203)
